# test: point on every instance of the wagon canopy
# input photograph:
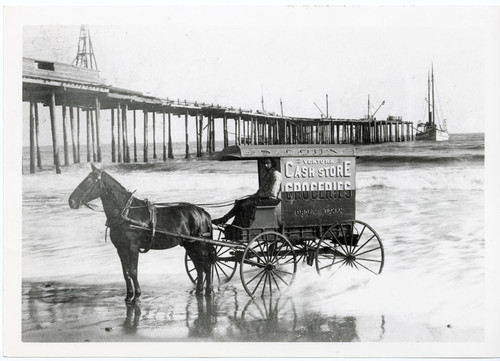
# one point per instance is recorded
(242, 152)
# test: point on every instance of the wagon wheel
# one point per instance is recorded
(268, 264)
(223, 266)
(350, 243)
(305, 251)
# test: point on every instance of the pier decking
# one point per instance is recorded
(83, 96)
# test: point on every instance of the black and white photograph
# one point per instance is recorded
(251, 181)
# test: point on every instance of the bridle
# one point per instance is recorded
(97, 181)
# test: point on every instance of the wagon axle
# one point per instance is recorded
(350, 260)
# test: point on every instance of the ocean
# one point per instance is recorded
(425, 200)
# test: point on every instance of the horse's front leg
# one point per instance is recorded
(208, 280)
(125, 260)
(199, 280)
(134, 262)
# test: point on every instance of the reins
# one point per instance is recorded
(152, 209)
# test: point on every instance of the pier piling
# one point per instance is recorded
(55, 147)
(66, 87)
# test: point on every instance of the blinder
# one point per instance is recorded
(96, 181)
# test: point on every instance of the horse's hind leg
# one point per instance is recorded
(125, 260)
(134, 261)
(199, 280)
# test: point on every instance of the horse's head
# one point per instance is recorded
(89, 189)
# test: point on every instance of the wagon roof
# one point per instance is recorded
(236, 152)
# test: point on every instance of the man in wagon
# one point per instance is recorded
(269, 189)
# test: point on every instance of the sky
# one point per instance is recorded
(234, 55)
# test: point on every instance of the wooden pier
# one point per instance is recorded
(83, 97)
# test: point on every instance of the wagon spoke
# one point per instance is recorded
(287, 262)
(222, 253)
(364, 244)
(343, 236)
(263, 253)
(282, 271)
(333, 248)
(264, 285)
(224, 264)
(276, 283)
(258, 256)
(328, 256)
(218, 267)
(352, 237)
(282, 280)
(281, 247)
(270, 286)
(258, 283)
(365, 267)
(336, 252)
(361, 234)
(257, 275)
(371, 250)
(369, 260)
(333, 263)
(359, 237)
(216, 272)
(269, 244)
(286, 254)
(336, 241)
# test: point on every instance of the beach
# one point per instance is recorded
(426, 201)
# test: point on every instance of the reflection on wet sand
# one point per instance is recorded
(132, 319)
(57, 313)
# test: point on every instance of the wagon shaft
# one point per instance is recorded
(192, 238)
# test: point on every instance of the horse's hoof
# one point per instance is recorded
(136, 302)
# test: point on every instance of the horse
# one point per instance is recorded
(136, 226)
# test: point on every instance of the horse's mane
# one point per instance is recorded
(115, 188)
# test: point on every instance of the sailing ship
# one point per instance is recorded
(431, 130)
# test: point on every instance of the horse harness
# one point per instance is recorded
(151, 225)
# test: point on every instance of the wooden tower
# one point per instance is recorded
(85, 57)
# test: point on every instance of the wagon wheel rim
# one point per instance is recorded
(352, 244)
(223, 267)
(268, 265)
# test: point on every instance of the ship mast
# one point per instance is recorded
(433, 108)
(429, 120)
(368, 115)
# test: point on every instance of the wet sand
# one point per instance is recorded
(61, 312)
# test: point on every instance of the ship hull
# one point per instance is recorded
(434, 135)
